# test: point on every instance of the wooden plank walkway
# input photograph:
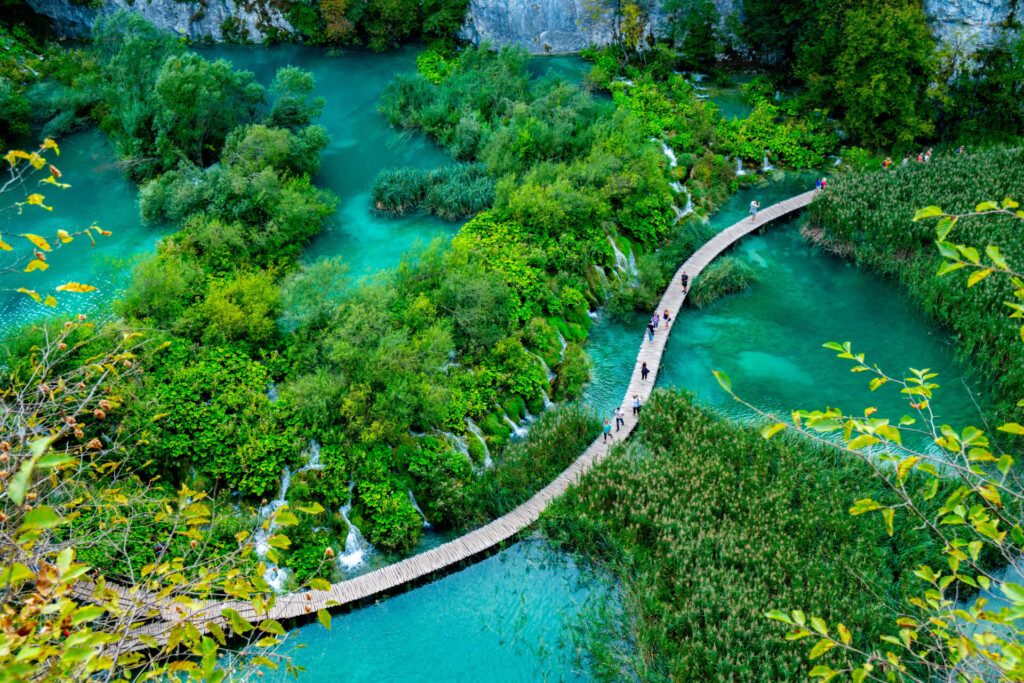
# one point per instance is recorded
(425, 564)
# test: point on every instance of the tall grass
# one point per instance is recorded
(868, 216)
(708, 526)
(725, 276)
(450, 192)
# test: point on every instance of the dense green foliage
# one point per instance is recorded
(867, 217)
(709, 526)
(726, 275)
(380, 24)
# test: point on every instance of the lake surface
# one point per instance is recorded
(362, 144)
(506, 618)
(769, 338)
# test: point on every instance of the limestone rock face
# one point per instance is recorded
(244, 20)
(978, 21)
(561, 26)
(541, 26)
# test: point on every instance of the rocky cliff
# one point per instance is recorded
(218, 20)
(558, 26)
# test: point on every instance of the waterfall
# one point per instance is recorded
(272, 394)
(274, 576)
(594, 315)
(543, 364)
(778, 96)
(739, 167)
(677, 187)
(459, 444)
(475, 431)
(561, 339)
(356, 547)
(313, 463)
(838, 161)
(620, 258)
(625, 81)
(766, 166)
(517, 431)
(667, 151)
(688, 209)
(416, 506)
(678, 212)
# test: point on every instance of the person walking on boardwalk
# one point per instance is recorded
(886, 164)
(668, 319)
(754, 206)
(650, 331)
(655, 319)
(685, 280)
(620, 418)
(607, 431)
(636, 404)
(644, 372)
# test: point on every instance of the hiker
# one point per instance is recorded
(754, 206)
(959, 150)
(887, 163)
(655, 319)
(685, 279)
(906, 161)
(620, 418)
(607, 430)
(920, 158)
(636, 404)
(644, 372)
(650, 331)
(824, 184)
(817, 184)
(668, 319)
(928, 156)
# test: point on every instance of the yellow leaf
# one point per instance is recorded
(36, 264)
(49, 301)
(49, 143)
(4, 246)
(37, 240)
(53, 181)
(34, 295)
(37, 200)
(76, 287)
(36, 160)
(64, 236)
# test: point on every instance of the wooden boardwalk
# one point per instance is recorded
(501, 529)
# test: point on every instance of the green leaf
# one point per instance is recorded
(279, 541)
(825, 673)
(87, 613)
(986, 206)
(996, 256)
(887, 515)
(864, 505)
(271, 626)
(324, 617)
(928, 212)
(723, 380)
(313, 509)
(818, 624)
(284, 517)
(778, 615)
(14, 574)
(42, 517)
(1012, 428)
(1014, 592)
(820, 648)
(771, 430)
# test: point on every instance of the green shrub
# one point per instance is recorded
(572, 373)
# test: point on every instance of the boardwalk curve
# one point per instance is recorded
(350, 591)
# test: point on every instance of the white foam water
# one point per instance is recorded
(356, 547)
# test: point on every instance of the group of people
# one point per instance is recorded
(656, 320)
(924, 157)
(620, 416)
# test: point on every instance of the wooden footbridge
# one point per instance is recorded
(351, 591)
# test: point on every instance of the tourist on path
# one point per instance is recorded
(905, 162)
(754, 206)
(685, 280)
(607, 431)
(668, 319)
(920, 158)
(824, 184)
(817, 184)
(644, 372)
(959, 150)
(636, 404)
(887, 163)
(655, 319)
(928, 156)
(650, 331)
(620, 418)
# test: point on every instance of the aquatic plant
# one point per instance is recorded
(725, 276)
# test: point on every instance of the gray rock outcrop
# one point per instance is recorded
(218, 20)
(976, 21)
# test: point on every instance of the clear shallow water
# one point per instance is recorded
(613, 344)
(99, 194)
(505, 618)
(362, 143)
(730, 99)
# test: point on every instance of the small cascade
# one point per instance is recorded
(778, 95)
(459, 444)
(678, 212)
(620, 259)
(561, 339)
(603, 276)
(416, 506)
(739, 167)
(625, 81)
(313, 463)
(677, 187)
(766, 167)
(688, 209)
(548, 403)
(272, 394)
(356, 547)
(543, 364)
(838, 161)
(594, 315)
(669, 154)
(274, 576)
(518, 431)
(475, 431)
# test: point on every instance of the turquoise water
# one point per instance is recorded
(768, 339)
(570, 68)
(506, 618)
(613, 343)
(98, 195)
(730, 99)
(362, 144)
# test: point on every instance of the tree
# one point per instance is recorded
(695, 28)
(968, 495)
(290, 93)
